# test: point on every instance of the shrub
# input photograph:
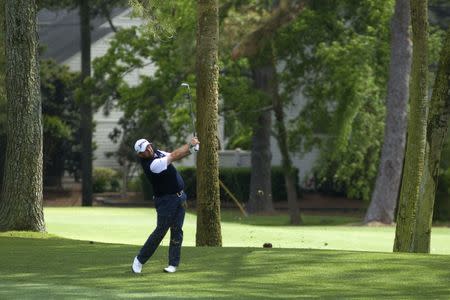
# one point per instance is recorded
(105, 180)
(134, 185)
(237, 180)
(442, 199)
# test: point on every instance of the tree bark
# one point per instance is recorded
(260, 198)
(208, 197)
(286, 162)
(436, 135)
(417, 127)
(86, 106)
(21, 202)
(387, 185)
(2, 93)
(260, 178)
(2, 57)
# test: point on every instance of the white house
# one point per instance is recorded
(59, 31)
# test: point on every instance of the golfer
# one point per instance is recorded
(170, 200)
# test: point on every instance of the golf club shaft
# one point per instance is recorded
(190, 107)
(192, 112)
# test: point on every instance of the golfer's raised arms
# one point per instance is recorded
(183, 151)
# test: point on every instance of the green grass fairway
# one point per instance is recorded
(53, 268)
(133, 225)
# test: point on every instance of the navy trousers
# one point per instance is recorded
(170, 214)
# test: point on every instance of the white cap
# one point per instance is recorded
(141, 145)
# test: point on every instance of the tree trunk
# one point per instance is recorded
(261, 178)
(282, 139)
(436, 135)
(417, 127)
(86, 106)
(255, 46)
(208, 197)
(2, 62)
(21, 204)
(2, 93)
(387, 185)
(260, 198)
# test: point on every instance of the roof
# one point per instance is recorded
(59, 32)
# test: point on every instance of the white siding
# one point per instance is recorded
(104, 126)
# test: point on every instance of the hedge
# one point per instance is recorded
(237, 180)
(442, 200)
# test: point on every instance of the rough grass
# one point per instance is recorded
(51, 268)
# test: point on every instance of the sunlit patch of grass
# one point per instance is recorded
(282, 219)
(133, 226)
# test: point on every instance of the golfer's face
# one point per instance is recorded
(148, 153)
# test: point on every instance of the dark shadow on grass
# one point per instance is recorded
(67, 269)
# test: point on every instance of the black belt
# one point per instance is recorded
(178, 194)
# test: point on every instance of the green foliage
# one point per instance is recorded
(142, 104)
(353, 172)
(336, 54)
(105, 180)
(54, 126)
(157, 105)
(134, 185)
(237, 180)
(61, 121)
(160, 16)
(241, 102)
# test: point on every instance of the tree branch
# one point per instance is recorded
(256, 40)
(107, 15)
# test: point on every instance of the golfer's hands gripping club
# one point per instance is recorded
(194, 145)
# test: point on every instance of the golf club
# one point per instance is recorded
(188, 95)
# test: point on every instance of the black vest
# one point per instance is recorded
(167, 182)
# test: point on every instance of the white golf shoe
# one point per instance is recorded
(136, 267)
(170, 269)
